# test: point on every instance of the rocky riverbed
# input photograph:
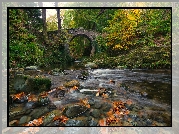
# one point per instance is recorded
(94, 97)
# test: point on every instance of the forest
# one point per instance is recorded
(133, 38)
(103, 66)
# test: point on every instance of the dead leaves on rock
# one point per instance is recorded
(116, 113)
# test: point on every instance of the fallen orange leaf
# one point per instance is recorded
(102, 122)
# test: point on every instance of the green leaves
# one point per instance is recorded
(23, 49)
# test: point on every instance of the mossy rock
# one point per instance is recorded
(19, 82)
(56, 71)
(31, 68)
(120, 67)
(72, 83)
(91, 65)
(27, 83)
(41, 84)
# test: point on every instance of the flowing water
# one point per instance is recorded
(149, 89)
(151, 85)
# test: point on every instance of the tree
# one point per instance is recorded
(44, 22)
(59, 19)
(23, 47)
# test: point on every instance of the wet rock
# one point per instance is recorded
(31, 68)
(19, 82)
(120, 67)
(24, 119)
(106, 107)
(19, 71)
(28, 111)
(56, 72)
(28, 83)
(91, 102)
(36, 113)
(52, 106)
(91, 65)
(129, 106)
(126, 123)
(57, 92)
(93, 122)
(48, 119)
(32, 72)
(133, 115)
(83, 76)
(75, 110)
(95, 113)
(149, 122)
(21, 100)
(140, 122)
(31, 105)
(72, 122)
(54, 123)
(97, 105)
(43, 100)
(144, 94)
(72, 83)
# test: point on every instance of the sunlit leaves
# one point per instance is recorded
(52, 23)
(131, 27)
(122, 28)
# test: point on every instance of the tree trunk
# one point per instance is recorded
(58, 17)
(44, 22)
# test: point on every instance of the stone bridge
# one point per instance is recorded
(72, 33)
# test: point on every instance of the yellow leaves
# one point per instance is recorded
(130, 17)
(115, 34)
(122, 28)
(118, 46)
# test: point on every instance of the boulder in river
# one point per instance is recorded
(36, 113)
(56, 72)
(95, 113)
(24, 119)
(72, 83)
(91, 65)
(73, 122)
(31, 68)
(31, 105)
(27, 83)
(75, 110)
(93, 122)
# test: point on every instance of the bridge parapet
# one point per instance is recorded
(72, 33)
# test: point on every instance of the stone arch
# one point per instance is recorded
(90, 38)
(84, 35)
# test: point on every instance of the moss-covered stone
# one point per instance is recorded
(72, 83)
(91, 65)
(42, 83)
(27, 83)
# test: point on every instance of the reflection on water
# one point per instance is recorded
(153, 84)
